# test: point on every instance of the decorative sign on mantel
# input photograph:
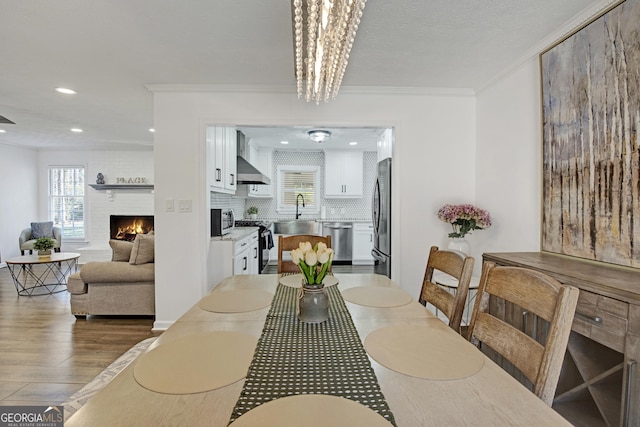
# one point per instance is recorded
(138, 180)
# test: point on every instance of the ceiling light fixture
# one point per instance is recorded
(353, 143)
(2, 131)
(152, 130)
(323, 33)
(66, 91)
(319, 135)
(76, 130)
(284, 142)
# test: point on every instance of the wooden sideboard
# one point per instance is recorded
(599, 383)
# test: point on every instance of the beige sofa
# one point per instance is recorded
(123, 286)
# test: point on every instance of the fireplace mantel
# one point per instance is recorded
(122, 186)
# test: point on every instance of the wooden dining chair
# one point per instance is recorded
(537, 293)
(286, 244)
(456, 265)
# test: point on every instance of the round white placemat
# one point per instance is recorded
(311, 410)
(424, 351)
(236, 301)
(196, 363)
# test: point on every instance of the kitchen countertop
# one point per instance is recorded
(238, 233)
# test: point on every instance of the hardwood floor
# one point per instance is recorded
(47, 355)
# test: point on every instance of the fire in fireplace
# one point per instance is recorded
(125, 227)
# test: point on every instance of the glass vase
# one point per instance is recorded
(459, 244)
(313, 304)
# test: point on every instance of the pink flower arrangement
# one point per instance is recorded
(464, 219)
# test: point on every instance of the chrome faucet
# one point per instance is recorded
(297, 198)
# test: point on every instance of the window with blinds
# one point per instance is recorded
(295, 180)
(66, 200)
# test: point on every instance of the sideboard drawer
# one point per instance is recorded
(602, 319)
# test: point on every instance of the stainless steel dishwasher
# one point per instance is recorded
(341, 239)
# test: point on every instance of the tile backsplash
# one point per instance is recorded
(359, 209)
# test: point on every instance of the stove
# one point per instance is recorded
(265, 239)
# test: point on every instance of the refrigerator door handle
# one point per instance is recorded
(378, 256)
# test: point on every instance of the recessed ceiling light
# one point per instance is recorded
(284, 142)
(152, 130)
(76, 130)
(66, 91)
(319, 135)
(2, 131)
(353, 143)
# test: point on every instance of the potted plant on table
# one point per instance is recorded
(253, 212)
(44, 245)
(314, 263)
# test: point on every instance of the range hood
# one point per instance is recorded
(247, 173)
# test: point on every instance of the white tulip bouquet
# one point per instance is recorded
(313, 262)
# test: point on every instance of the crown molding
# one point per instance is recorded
(275, 89)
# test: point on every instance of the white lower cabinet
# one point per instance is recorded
(362, 243)
(232, 257)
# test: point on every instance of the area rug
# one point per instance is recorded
(79, 398)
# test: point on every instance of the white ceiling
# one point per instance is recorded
(109, 50)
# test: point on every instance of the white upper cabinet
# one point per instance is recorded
(221, 158)
(343, 174)
(262, 159)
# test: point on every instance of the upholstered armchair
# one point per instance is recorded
(27, 239)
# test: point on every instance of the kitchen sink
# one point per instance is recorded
(296, 226)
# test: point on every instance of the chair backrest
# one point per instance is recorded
(456, 265)
(286, 244)
(539, 294)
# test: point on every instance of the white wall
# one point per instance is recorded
(434, 164)
(18, 196)
(509, 156)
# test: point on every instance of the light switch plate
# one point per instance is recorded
(170, 205)
(184, 206)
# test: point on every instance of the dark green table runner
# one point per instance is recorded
(294, 358)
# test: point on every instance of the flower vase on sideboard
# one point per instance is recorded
(459, 244)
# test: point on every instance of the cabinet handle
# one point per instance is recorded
(631, 367)
(256, 251)
(245, 263)
(370, 238)
(218, 174)
(594, 319)
(233, 179)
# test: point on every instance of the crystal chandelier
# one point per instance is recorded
(324, 32)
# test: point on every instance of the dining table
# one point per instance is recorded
(240, 357)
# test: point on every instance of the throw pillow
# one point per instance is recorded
(41, 229)
(121, 250)
(142, 251)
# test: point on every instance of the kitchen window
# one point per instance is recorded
(66, 200)
(294, 180)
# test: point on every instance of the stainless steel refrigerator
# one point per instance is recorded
(381, 215)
